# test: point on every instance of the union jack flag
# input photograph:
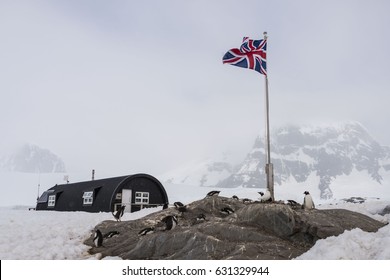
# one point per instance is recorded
(252, 55)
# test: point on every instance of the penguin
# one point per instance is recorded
(227, 210)
(178, 204)
(180, 207)
(98, 238)
(307, 201)
(235, 197)
(146, 231)
(201, 217)
(118, 214)
(292, 203)
(170, 222)
(110, 234)
(247, 201)
(213, 193)
(265, 197)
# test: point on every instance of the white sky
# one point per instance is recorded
(139, 86)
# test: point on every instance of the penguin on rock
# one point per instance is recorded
(98, 238)
(292, 203)
(118, 214)
(213, 193)
(180, 206)
(146, 231)
(170, 222)
(201, 217)
(307, 201)
(265, 197)
(111, 234)
(227, 211)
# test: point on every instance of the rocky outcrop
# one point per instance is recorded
(253, 231)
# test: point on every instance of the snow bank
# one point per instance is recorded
(352, 245)
(49, 235)
(355, 244)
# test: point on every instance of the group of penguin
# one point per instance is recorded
(172, 220)
(308, 202)
(226, 210)
(170, 223)
(98, 236)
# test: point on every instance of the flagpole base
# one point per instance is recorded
(269, 170)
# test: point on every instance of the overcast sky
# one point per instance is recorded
(139, 86)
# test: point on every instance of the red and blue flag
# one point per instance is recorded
(252, 55)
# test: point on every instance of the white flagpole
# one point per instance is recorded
(269, 169)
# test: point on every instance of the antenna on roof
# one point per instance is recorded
(39, 183)
(93, 174)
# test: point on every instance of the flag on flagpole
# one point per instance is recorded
(252, 55)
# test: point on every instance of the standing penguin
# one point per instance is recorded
(118, 214)
(265, 197)
(307, 201)
(170, 222)
(98, 238)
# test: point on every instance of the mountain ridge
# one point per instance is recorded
(32, 159)
(301, 153)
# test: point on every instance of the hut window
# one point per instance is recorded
(141, 198)
(51, 201)
(87, 198)
(44, 196)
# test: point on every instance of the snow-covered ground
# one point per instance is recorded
(355, 244)
(50, 235)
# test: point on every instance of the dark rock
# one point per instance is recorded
(385, 211)
(354, 199)
(253, 231)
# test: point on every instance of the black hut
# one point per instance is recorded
(105, 195)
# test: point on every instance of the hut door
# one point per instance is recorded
(126, 199)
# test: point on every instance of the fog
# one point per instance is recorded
(139, 86)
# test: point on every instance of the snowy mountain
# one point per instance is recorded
(204, 173)
(32, 159)
(315, 155)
